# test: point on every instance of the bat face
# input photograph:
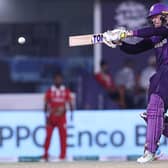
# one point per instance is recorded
(89, 39)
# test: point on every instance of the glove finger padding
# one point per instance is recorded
(109, 43)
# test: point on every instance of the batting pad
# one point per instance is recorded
(155, 114)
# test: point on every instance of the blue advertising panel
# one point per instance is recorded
(91, 133)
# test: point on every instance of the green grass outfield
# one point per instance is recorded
(86, 164)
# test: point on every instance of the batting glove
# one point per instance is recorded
(115, 35)
(109, 43)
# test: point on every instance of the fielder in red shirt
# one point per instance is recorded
(105, 79)
(56, 98)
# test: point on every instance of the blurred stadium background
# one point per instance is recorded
(101, 128)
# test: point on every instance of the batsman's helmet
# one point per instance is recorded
(158, 9)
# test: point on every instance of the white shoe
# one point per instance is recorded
(143, 116)
(147, 157)
(43, 160)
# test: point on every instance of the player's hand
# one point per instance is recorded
(115, 35)
(109, 43)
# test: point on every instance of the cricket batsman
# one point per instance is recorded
(154, 37)
(56, 98)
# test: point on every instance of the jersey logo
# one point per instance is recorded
(160, 44)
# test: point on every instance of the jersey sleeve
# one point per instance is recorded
(151, 31)
(139, 47)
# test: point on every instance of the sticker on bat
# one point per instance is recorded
(97, 38)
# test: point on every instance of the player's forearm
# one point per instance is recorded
(71, 107)
(71, 110)
(139, 47)
(45, 108)
(150, 31)
(129, 48)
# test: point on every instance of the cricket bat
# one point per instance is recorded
(88, 39)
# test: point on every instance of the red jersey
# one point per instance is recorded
(105, 80)
(56, 98)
